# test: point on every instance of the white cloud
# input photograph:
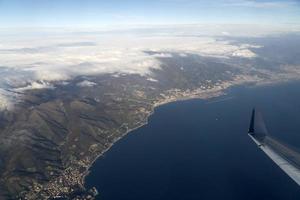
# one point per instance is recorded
(34, 61)
(182, 55)
(262, 4)
(163, 55)
(7, 99)
(246, 53)
(152, 79)
(86, 83)
(34, 85)
(225, 33)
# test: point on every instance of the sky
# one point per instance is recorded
(98, 13)
(39, 47)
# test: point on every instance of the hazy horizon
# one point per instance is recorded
(92, 13)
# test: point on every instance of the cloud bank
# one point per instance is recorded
(35, 60)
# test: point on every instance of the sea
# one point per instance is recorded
(199, 149)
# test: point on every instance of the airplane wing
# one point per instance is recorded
(285, 157)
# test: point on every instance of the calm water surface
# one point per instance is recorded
(199, 149)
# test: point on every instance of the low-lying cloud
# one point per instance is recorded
(34, 61)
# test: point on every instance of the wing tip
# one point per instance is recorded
(251, 126)
(257, 127)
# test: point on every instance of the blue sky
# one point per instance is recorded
(97, 13)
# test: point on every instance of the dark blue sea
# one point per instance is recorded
(199, 149)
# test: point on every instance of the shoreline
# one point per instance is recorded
(199, 94)
(168, 96)
(154, 106)
(207, 95)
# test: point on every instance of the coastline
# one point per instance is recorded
(203, 95)
(169, 148)
(72, 178)
(154, 106)
(169, 96)
(196, 94)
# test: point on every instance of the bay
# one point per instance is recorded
(199, 149)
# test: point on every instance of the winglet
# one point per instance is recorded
(257, 126)
(251, 127)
